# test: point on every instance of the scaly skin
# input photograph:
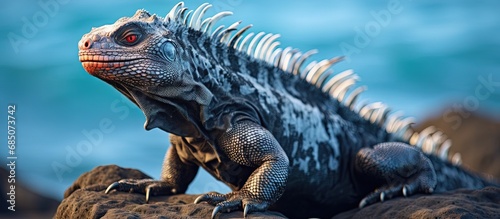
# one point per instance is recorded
(280, 135)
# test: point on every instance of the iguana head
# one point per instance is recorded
(142, 58)
(139, 52)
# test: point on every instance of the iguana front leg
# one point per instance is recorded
(176, 176)
(249, 144)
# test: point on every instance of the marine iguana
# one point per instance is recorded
(281, 134)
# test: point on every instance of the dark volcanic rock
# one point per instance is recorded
(86, 199)
(483, 203)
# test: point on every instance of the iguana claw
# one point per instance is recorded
(245, 210)
(148, 191)
(199, 199)
(233, 201)
(116, 185)
(215, 211)
(149, 187)
(111, 187)
(387, 193)
(212, 198)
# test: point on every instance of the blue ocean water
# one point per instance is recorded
(416, 56)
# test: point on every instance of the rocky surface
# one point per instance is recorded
(483, 203)
(86, 199)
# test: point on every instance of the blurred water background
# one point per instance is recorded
(422, 57)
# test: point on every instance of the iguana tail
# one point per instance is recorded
(451, 176)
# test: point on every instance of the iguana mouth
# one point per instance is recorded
(95, 64)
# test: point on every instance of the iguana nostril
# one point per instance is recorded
(85, 44)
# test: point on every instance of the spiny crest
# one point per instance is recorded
(264, 47)
(143, 15)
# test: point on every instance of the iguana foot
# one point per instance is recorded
(403, 169)
(233, 201)
(143, 186)
(387, 192)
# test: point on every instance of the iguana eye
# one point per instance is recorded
(129, 36)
